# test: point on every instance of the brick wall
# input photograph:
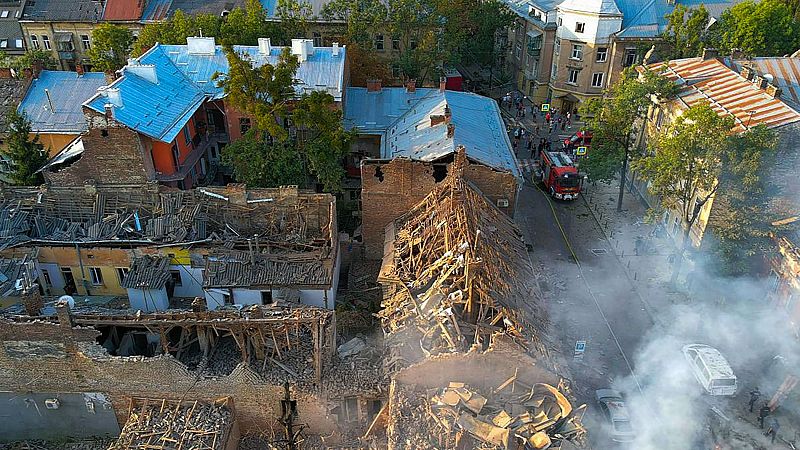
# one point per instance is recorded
(112, 155)
(406, 182)
(49, 357)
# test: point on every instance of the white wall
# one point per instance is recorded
(149, 300)
(56, 278)
(214, 298)
(191, 280)
(596, 29)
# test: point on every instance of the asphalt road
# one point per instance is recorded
(592, 301)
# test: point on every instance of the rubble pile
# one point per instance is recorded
(78, 444)
(515, 415)
(166, 424)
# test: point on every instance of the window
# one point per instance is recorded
(97, 276)
(34, 41)
(396, 71)
(597, 79)
(266, 297)
(176, 277)
(317, 36)
(557, 46)
(46, 42)
(395, 43)
(46, 278)
(554, 71)
(186, 136)
(3, 43)
(560, 21)
(379, 42)
(18, 43)
(572, 77)
(579, 27)
(602, 54)
(518, 50)
(577, 51)
(85, 41)
(66, 46)
(122, 273)
(630, 56)
(413, 44)
(244, 124)
(4, 14)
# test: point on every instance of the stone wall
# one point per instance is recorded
(389, 189)
(53, 357)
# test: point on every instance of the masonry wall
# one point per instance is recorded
(45, 357)
(405, 183)
(112, 155)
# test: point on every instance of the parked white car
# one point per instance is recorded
(711, 369)
(616, 413)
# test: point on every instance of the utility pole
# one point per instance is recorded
(288, 414)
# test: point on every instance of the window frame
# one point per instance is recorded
(602, 79)
(96, 276)
(379, 42)
(580, 27)
(34, 42)
(86, 42)
(577, 49)
(245, 124)
(48, 281)
(316, 36)
(122, 273)
(570, 73)
(601, 51)
(46, 42)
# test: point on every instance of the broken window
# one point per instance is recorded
(176, 277)
(379, 173)
(351, 409)
(244, 124)
(46, 277)
(122, 273)
(96, 275)
(439, 172)
(266, 297)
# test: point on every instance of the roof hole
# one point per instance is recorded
(439, 172)
(379, 173)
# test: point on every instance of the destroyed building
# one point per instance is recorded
(90, 240)
(407, 139)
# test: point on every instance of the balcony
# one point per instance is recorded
(200, 144)
(68, 55)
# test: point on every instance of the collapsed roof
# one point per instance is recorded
(457, 272)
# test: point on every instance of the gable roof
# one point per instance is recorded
(157, 109)
(726, 91)
(785, 73)
(147, 272)
(647, 18)
(60, 10)
(68, 91)
(123, 10)
(605, 7)
(403, 119)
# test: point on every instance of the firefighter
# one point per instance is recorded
(762, 414)
(772, 429)
(755, 394)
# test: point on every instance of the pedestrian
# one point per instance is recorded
(522, 110)
(529, 146)
(551, 128)
(772, 429)
(762, 414)
(755, 394)
(563, 125)
(569, 117)
(547, 117)
(516, 133)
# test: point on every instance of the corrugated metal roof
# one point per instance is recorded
(647, 18)
(60, 10)
(67, 91)
(404, 121)
(322, 70)
(594, 6)
(159, 110)
(123, 9)
(147, 272)
(727, 92)
(785, 73)
(156, 10)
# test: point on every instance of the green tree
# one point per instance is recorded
(245, 26)
(260, 163)
(614, 119)
(294, 17)
(30, 57)
(26, 154)
(490, 18)
(685, 33)
(683, 169)
(741, 217)
(176, 29)
(111, 46)
(360, 18)
(766, 28)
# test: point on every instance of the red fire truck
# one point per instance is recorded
(559, 175)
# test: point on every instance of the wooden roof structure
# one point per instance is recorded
(147, 272)
(456, 271)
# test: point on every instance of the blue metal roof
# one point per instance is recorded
(322, 70)
(157, 109)
(68, 91)
(646, 18)
(403, 120)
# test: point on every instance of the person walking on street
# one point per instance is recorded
(547, 117)
(762, 414)
(772, 429)
(529, 146)
(755, 394)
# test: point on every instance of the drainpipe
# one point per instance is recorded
(83, 273)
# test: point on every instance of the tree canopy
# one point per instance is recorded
(111, 46)
(686, 32)
(26, 154)
(766, 28)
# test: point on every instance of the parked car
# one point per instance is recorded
(615, 411)
(711, 369)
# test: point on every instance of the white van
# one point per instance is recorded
(711, 369)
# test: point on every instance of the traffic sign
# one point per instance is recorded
(545, 107)
(580, 348)
(580, 151)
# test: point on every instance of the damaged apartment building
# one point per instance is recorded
(465, 330)
(407, 139)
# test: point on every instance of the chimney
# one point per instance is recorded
(111, 76)
(746, 72)
(335, 49)
(303, 49)
(79, 69)
(436, 119)
(113, 95)
(32, 300)
(201, 45)
(109, 108)
(760, 81)
(411, 86)
(451, 130)
(442, 84)
(37, 67)
(264, 46)
(146, 71)
(373, 85)
(773, 91)
(710, 53)
(5, 73)
(448, 114)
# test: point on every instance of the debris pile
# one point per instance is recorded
(168, 424)
(514, 415)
